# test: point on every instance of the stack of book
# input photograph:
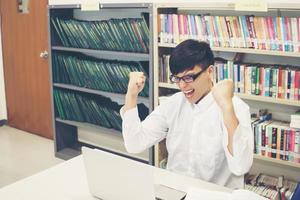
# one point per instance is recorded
(273, 188)
(248, 31)
(98, 74)
(128, 34)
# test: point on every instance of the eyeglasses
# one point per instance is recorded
(187, 78)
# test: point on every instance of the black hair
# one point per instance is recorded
(190, 53)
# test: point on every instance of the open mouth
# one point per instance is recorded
(189, 93)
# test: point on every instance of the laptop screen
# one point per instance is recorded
(113, 177)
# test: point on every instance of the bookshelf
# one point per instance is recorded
(281, 108)
(89, 79)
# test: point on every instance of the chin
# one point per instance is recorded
(192, 100)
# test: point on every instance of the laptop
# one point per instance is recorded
(113, 177)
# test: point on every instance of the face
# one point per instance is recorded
(194, 91)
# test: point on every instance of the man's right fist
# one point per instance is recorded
(136, 83)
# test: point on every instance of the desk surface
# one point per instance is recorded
(67, 181)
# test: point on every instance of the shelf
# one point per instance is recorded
(110, 142)
(168, 85)
(276, 161)
(119, 98)
(101, 137)
(107, 54)
(57, 4)
(269, 99)
(222, 5)
(248, 96)
(244, 50)
(90, 126)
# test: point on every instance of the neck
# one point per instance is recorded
(209, 89)
(202, 96)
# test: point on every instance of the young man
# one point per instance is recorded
(207, 129)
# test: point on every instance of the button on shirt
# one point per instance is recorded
(196, 138)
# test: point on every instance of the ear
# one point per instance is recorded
(210, 71)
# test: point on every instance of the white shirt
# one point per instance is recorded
(196, 138)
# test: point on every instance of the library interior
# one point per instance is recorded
(150, 99)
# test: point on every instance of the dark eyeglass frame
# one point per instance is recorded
(187, 78)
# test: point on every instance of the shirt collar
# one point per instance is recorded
(205, 102)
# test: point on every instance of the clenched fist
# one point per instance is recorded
(223, 92)
(136, 83)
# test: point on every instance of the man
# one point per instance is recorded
(207, 129)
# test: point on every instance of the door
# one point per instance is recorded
(26, 74)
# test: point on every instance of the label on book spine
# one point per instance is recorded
(253, 5)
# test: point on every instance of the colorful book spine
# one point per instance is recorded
(280, 90)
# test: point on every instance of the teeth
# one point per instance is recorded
(185, 92)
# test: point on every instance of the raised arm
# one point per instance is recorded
(138, 136)
(135, 86)
(238, 136)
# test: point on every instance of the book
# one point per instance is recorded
(296, 194)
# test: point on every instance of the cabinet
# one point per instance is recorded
(243, 39)
(91, 54)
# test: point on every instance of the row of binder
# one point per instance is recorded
(88, 108)
(127, 34)
(98, 74)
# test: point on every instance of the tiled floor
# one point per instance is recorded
(23, 154)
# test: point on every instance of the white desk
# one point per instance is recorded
(67, 181)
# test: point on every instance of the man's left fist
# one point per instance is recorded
(223, 92)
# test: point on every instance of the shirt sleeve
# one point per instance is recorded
(138, 136)
(243, 142)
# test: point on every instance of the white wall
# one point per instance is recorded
(3, 112)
